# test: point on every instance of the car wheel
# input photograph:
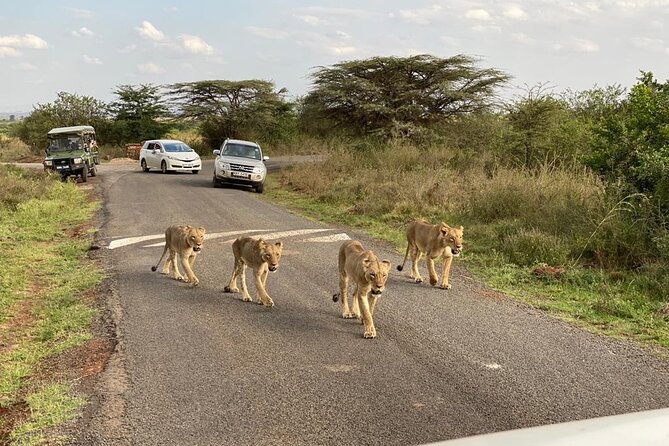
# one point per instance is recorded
(94, 171)
(163, 167)
(215, 182)
(84, 173)
(144, 168)
(260, 188)
(196, 171)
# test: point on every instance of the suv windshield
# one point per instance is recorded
(64, 143)
(176, 147)
(242, 150)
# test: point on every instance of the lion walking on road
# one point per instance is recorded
(369, 275)
(186, 242)
(434, 241)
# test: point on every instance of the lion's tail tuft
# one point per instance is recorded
(154, 268)
(335, 297)
(400, 267)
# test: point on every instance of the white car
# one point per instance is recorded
(169, 155)
(240, 162)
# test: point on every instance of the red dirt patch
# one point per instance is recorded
(544, 270)
(11, 416)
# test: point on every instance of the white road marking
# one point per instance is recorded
(492, 366)
(329, 238)
(283, 234)
(131, 240)
(214, 235)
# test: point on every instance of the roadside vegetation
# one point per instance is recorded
(43, 308)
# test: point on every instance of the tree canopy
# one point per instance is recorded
(139, 113)
(390, 94)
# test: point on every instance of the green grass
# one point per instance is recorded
(621, 304)
(43, 278)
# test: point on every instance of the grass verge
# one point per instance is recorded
(620, 304)
(43, 244)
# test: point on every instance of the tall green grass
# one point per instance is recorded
(515, 219)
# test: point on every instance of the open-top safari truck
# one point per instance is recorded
(72, 151)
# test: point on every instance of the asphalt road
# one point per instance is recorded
(196, 366)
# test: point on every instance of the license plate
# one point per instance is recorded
(187, 165)
(240, 174)
(61, 167)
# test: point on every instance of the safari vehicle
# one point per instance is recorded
(240, 162)
(72, 151)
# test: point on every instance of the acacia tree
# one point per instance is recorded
(67, 110)
(139, 113)
(235, 109)
(390, 95)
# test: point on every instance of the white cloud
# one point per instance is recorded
(150, 68)
(82, 13)
(171, 9)
(24, 41)
(128, 49)
(657, 45)
(342, 50)
(6, 51)
(523, 38)
(478, 14)
(311, 20)
(267, 33)
(92, 60)
(24, 66)
(195, 45)
(578, 45)
(515, 12)
(419, 16)
(342, 35)
(150, 32)
(82, 32)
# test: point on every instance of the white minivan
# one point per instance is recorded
(169, 155)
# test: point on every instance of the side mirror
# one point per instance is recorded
(265, 158)
(217, 152)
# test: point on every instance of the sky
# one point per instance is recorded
(90, 47)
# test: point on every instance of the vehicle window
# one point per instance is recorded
(242, 150)
(65, 143)
(177, 147)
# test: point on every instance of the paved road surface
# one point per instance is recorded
(201, 367)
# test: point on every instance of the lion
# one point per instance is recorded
(369, 275)
(262, 257)
(434, 241)
(186, 241)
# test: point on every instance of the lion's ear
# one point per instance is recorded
(386, 265)
(201, 229)
(366, 262)
(462, 228)
(279, 244)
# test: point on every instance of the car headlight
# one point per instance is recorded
(48, 163)
(224, 166)
(258, 170)
(78, 160)
(172, 157)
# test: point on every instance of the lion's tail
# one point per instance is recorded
(406, 254)
(154, 268)
(335, 297)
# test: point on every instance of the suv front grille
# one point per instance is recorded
(241, 167)
(62, 162)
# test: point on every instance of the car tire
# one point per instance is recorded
(215, 182)
(195, 171)
(260, 188)
(94, 171)
(144, 168)
(163, 167)
(84, 174)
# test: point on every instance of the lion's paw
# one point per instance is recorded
(418, 280)
(247, 299)
(348, 315)
(433, 282)
(369, 334)
(445, 287)
(180, 278)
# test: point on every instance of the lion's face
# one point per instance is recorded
(452, 238)
(376, 273)
(272, 254)
(195, 238)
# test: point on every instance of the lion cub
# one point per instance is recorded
(186, 241)
(260, 256)
(369, 277)
(433, 241)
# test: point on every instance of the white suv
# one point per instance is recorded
(240, 162)
(169, 155)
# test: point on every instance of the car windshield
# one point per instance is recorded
(242, 150)
(64, 143)
(176, 147)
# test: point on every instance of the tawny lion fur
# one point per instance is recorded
(261, 257)
(434, 241)
(186, 242)
(369, 275)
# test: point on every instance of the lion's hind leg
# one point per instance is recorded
(356, 303)
(416, 255)
(343, 295)
(231, 287)
(173, 265)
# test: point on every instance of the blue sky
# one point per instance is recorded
(89, 47)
